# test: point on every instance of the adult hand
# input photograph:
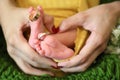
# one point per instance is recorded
(99, 21)
(13, 22)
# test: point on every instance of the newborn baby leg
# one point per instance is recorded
(36, 25)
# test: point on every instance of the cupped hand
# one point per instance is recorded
(13, 23)
(99, 21)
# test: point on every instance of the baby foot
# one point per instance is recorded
(54, 49)
(47, 46)
(36, 25)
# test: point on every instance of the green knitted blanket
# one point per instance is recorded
(106, 67)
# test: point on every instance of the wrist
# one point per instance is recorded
(5, 7)
(114, 8)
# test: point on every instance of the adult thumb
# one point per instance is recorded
(72, 22)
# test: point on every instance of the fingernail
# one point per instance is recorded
(55, 67)
(55, 30)
(60, 66)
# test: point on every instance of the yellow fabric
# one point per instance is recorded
(62, 9)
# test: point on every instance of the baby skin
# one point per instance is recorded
(45, 44)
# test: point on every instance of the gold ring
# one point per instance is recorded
(34, 15)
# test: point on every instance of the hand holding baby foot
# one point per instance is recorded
(99, 21)
(17, 46)
(46, 45)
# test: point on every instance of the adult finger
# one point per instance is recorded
(85, 65)
(25, 66)
(30, 55)
(28, 69)
(35, 59)
(92, 44)
(73, 22)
